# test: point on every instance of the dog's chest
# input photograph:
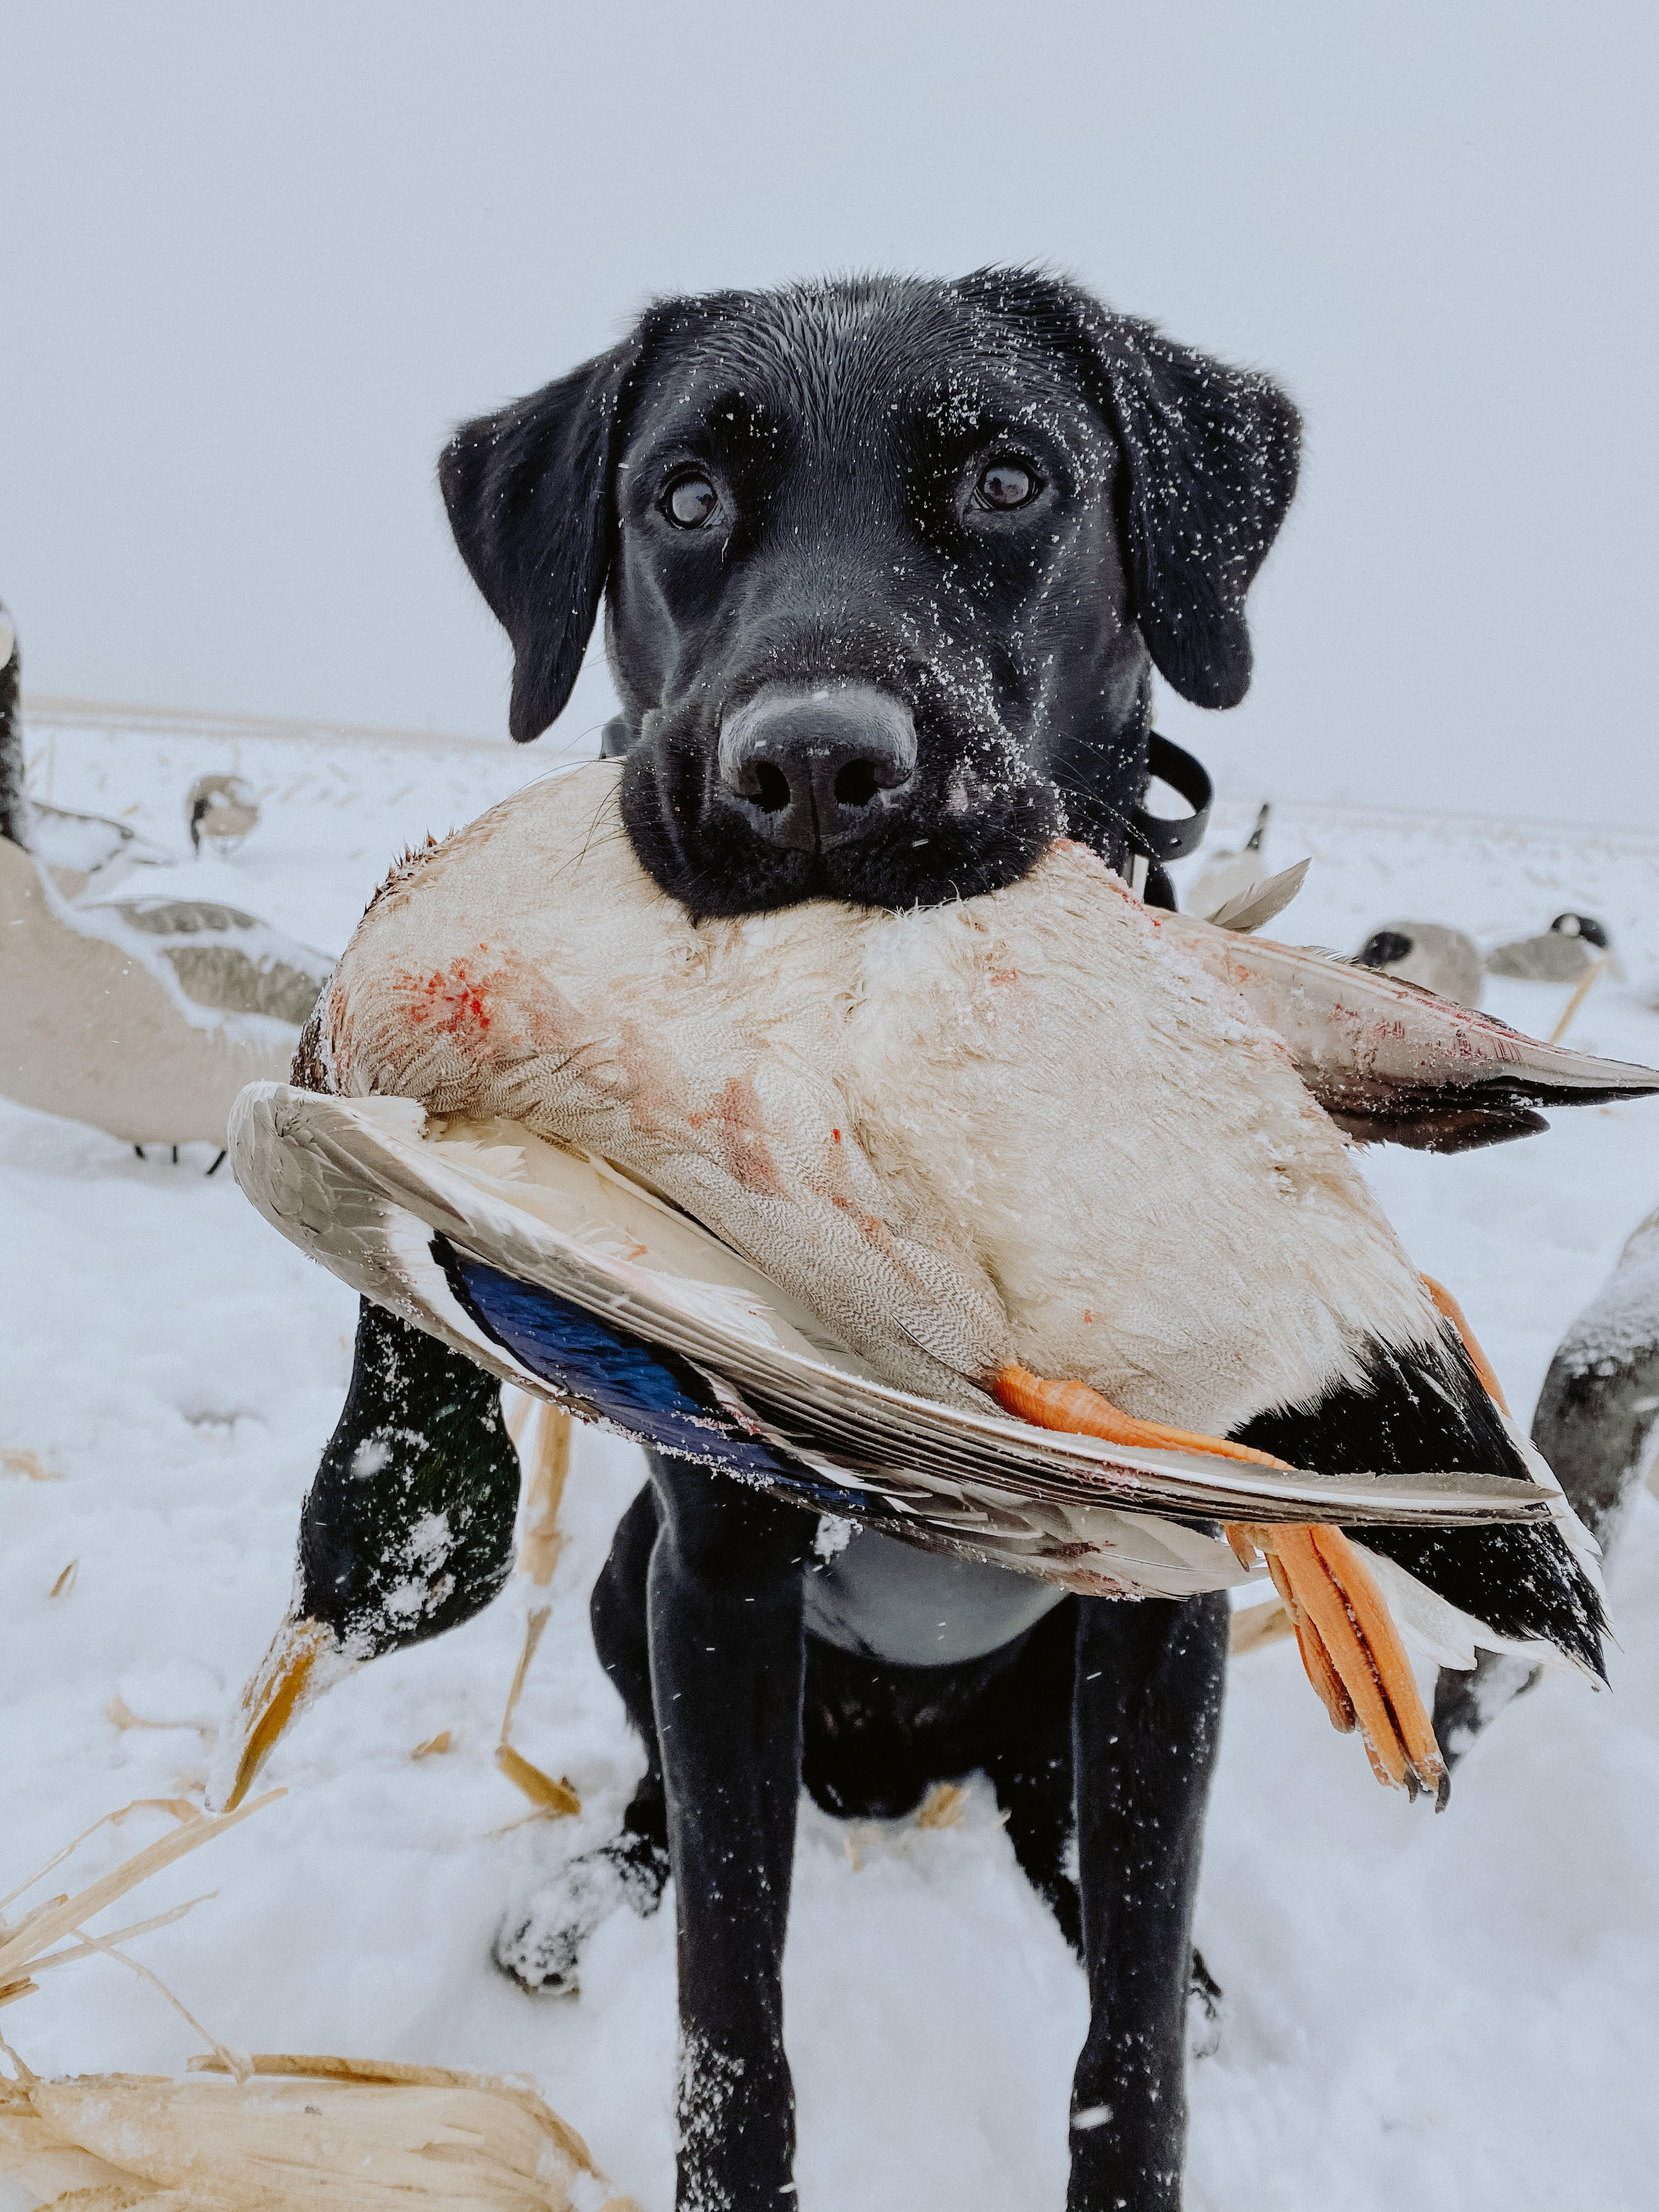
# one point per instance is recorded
(884, 1600)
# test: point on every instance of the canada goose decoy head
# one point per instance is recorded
(1583, 926)
(74, 847)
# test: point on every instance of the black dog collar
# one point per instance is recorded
(1159, 837)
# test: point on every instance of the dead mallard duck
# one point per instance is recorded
(830, 1198)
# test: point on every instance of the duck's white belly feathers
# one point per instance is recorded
(1163, 1207)
(1024, 1126)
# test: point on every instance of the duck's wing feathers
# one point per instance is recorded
(1391, 1062)
(566, 1278)
(1256, 904)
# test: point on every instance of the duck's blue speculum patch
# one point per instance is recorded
(651, 1393)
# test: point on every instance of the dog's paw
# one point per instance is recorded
(1206, 2003)
(539, 1945)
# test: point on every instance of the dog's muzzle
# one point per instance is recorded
(810, 768)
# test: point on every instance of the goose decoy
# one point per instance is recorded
(1442, 960)
(1230, 876)
(13, 798)
(143, 1017)
(84, 852)
(1055, 1308)
(1597, 1424)
(226, 962)
(74, 847)
(1561, 954)
(222, 810)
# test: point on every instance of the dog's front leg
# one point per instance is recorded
(728, 1664)
(1146, 1715)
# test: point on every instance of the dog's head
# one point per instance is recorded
(887, 564)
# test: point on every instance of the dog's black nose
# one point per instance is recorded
(816, 768)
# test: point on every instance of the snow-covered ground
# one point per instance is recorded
(1459, 2012)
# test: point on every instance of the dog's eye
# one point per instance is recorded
(690, 502)
(1005, 485)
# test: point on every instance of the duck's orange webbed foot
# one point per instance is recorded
(1350, 1649)
(1445, 1303)
(1081, 1412)
(1349, 1645)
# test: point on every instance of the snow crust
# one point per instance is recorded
(1461, 2013)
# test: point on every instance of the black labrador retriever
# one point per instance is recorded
(887, 566)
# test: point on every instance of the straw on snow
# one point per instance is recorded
(306, 2134)
(28, 1946)
(283, 2133)
(544, 1456)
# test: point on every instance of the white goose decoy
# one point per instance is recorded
(143, 1017)
(1009, 1225)
(1441, 959)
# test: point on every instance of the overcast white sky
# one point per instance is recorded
(254, 264)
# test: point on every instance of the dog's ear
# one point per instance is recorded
(529, 492)
(1211, 456)
(1210, 460)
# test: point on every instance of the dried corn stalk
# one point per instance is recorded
(543, 1437)
(282, 2134)
(14, 1460)
(943, 1807)
(1256, 1625)
(1579, 996)
(306, 2134)
(546, 1463)
(28, 1946)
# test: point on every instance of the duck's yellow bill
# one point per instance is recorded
(284, 1681)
